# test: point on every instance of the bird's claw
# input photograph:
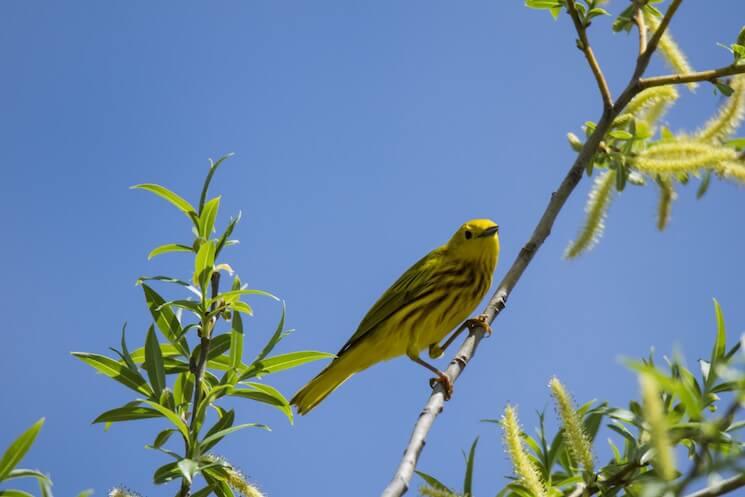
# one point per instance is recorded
(446, 383)
(480, 321)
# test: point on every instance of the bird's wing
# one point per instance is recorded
(413, 284)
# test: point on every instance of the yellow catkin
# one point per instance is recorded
(574, 432)
(524, 468)
(733, 170)
(122, 492)
(667, 195)
(670, 50)
(235, 478)
(729, 116)
(682, 157)
(664, 461)
(596, 209)
(649, 98)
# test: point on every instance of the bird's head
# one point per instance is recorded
(476, 239)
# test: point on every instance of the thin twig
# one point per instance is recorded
(677, 79)
(205, 334)
(584, 45)
(721, 488)
(405, 471)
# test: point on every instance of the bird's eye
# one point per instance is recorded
(469, 235)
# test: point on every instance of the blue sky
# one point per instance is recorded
(364, 133)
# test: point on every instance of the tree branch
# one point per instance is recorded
(584, 44)
(641, 26)
(205, 334)
(400, 482)
(721, 488)
(677, 79)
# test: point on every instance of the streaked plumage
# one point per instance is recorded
(428, 301)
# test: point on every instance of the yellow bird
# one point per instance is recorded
(430, 299)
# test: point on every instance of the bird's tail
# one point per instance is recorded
(322, 385)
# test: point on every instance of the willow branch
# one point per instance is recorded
(677, 79)
(584, 44)
(405, 471)
(721, 488)
(205, 334)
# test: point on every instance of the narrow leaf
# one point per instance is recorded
(207, 217)
(172, 417)
(117, 371)
(154, 362)
(468, 479)
(170, 196)
(222, 433)
(15, 452)
(168, 247)
(126, 413)
(283, 361)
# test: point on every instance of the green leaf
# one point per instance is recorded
(218, 345)
(15, 452)
(170, 196)
(225, 421)
(168, 279)
(126, 356)
(204, 263)
(168, 247)
(236, 341)
(724, 88)
(216, 479)
(211, 394)
(127, 412)
(736, 143)
(166, 473)
(162, 438)
(154, 362)
(432, 481)
(208, 179)
(224, 238)
(203, 492)
(266, 394)
(172, 417)
(283, 361)
(10, 492)
(27, 473)
(704, 186)
(86, 493)
(276, 337)
(234, 295)
(117, 371)
(208, 216)
(45, 484)
(597, 11)
(188, 468)
(242, 307)
(167, 350)
(620, 134)
(222, 433)
(183, 388)
(720, 344)
(165, 320)
(468, 479)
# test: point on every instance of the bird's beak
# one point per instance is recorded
(489, 231)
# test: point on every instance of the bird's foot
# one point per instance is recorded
(446, 383)
(480, 321)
